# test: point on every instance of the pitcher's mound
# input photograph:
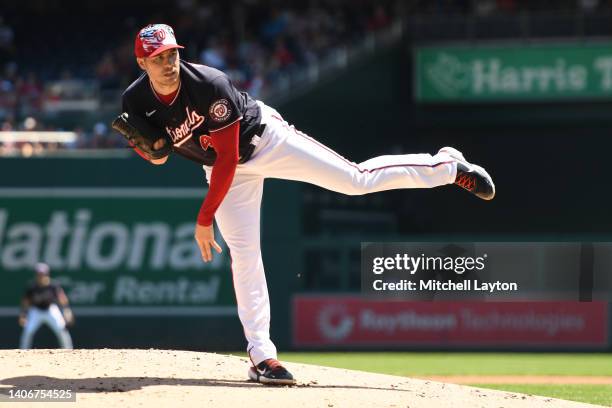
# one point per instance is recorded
(164, 378)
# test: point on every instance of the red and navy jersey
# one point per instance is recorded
(206, 101)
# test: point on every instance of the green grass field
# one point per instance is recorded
(593, 394)
(426, 364)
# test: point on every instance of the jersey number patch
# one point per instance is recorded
(205, 141)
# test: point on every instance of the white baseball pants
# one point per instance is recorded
(53, 318)
(285, 153)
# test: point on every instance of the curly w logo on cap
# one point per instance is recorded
(154, 39)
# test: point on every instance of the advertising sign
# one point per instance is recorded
(122, 250)
(503, 73)
(353, 321)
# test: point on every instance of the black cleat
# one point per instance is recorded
(271, 372)
(471, 177)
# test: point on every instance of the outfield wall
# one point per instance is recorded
(118, 235)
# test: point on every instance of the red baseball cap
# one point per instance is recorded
(154, 39)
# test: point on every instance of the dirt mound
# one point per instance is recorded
(165, 378)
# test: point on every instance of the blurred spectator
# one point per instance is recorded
(379, 19)
(506, 6)
(275, 26)
(29, 93)
(8, 98)
(6, 41)
(485, 7)
(588, 6)
(99, 138)
(30, 124)
(80, 141)
(106, 72)
(213, 55)
(7, 125)
(284, 58)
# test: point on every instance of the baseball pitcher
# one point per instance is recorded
(195, 112)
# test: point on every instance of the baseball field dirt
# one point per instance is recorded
(166, 378)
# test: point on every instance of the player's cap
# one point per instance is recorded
(154, 39)
(41, 268)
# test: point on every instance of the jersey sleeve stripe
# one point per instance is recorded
(226, 126)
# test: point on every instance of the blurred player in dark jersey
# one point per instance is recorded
(41, 305)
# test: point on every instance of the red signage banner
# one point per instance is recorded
(344, 321)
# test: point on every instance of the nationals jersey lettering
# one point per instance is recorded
(206, 101)
(179, 135)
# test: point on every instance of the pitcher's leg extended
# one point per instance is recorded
(300, 157)
(296, 156)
